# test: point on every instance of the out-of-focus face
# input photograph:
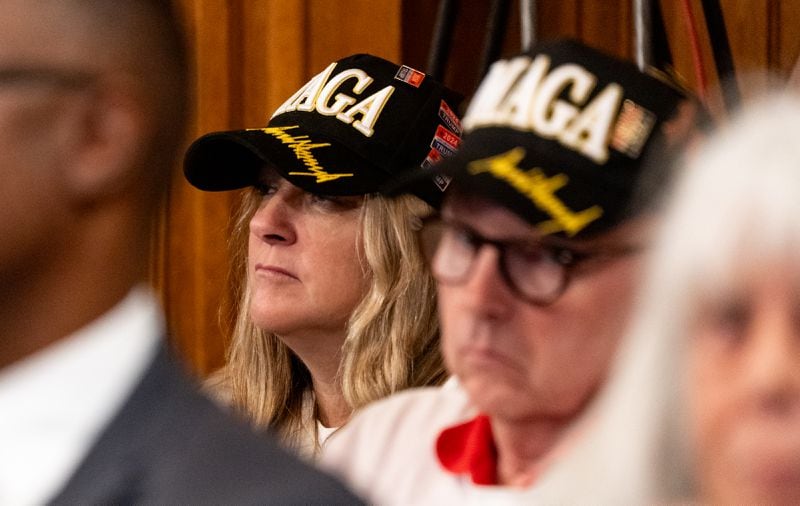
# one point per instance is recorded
(524, 362)
(305, 270)
(744, 389)
(36, 101)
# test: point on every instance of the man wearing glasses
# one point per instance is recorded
(536, 253)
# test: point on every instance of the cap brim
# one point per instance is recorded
(487, 143)
(234, 159)
(224, 161)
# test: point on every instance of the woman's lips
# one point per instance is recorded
(274, 271)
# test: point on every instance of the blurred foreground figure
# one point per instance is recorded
(705, 403)
(93, 410)
(536, 254)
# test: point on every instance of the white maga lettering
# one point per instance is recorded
(342, 100)
(316, 95)
(524, 94)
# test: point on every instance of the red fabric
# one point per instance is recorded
(469, 448)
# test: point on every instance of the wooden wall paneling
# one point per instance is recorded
(558, 18)
(763, 42)
(786, 24)
(461, 70)
(416, 25)
(607, 26)
(284, 45)
(749, 35)
(680, 46)
(193, 278)
(337, 29)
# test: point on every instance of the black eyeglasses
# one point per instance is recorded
(536, 271)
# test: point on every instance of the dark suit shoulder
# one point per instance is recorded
(171, 445)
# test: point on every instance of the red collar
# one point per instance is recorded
(469, 448)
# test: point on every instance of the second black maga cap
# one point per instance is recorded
(561, 135)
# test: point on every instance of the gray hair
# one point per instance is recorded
(736, 203)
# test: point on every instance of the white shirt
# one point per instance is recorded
(387, 452)
(323, 433)
(55, 403)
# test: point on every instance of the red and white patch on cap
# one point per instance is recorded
(449, 118)
(440, 180)
(633, 128)
(449, 138)
(411, 76)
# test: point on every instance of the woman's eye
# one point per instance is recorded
(265, 189)
(334, 203)
(324, 201)
(321, 198)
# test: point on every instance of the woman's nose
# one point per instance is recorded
(272, 222)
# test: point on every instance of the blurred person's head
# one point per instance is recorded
(92, 109)
(705, 402)
(538, 249)
(737, 222)
(330, 279)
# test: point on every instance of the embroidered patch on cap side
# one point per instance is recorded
(449, 118)
(411, 76)
(447, 137)
(441, 147)
(440, 180)
(632, 130)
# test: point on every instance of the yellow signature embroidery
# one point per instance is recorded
(539, 189)
(302, 146)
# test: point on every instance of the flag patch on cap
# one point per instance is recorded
(449, 117)
(410, 76)
(441, 147)
(633, 128)
(440, 180)
(433, 156)
(447, 137)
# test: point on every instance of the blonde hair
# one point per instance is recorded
(392, 340)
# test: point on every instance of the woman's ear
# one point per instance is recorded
(107, 142)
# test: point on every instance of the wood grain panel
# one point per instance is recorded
(607, 26)
(196, 222)
(786, 25)
(284, 44)
(336, 29)
(558, 18)
(678, 29)
(749, 35)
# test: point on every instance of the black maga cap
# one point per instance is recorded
(561, 134)
(347, 131)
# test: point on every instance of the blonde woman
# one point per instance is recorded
(336, 307)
